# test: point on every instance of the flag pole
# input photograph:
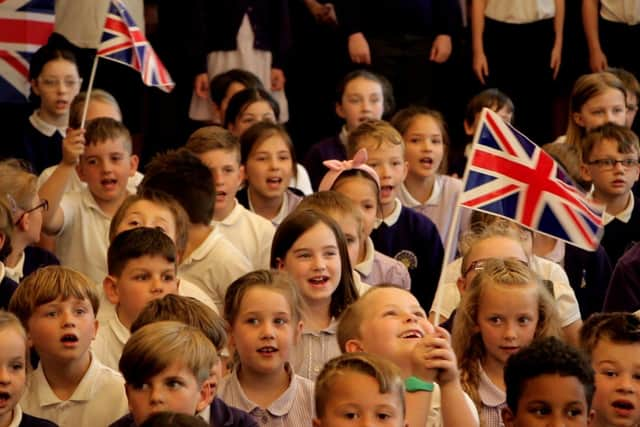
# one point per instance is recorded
(89, 88)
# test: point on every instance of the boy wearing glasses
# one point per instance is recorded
(610, 161)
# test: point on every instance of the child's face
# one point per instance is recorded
(227, 177)
(507, 320)
(352, 231)
(13, 375)
(62, 330)
(142, 280)
(617, 367)
(607, 107)
(610, 182)
(313, 261)
(264, 331)
(255, 112)
(363, 192)
(145, 213)
(362, 100)
(106, 168)
(393, 324)
(355, 400)
(550, 400)
(632, 109)
(233, 88)
(424, 146)
(57, 85)
(269, 167)
(174, 389)
(388, 162)
(33, 221)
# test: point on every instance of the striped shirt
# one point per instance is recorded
(315, 349)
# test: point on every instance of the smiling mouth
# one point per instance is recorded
(412, 334)
(319, 280)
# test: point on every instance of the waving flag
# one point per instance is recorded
(25, 25)
(123, 42)
(510, 176)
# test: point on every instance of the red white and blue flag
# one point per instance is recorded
(510, 176)
(25, 25)
(123, 42)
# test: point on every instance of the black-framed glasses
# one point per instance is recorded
(607, 164)
(479, 264)
(44, 205)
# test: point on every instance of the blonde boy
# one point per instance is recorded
(610, 161)
(166, 366)
(219, 150)
(80, 220)
(403, 233)
(360, 384)
(612, 341)
(389, 322)
(142, 268)
(57, 307)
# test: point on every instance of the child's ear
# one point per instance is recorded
(468, 129)
(241, 173)
(339, 110)
(508, 418)
(353, 345)
(461, 283)
(585, 173)
(590, 416)
(298, 332)
(316, 422)
(80, 171)
(205, 398)
(110, 287)
(279, 264)
(133, 164)
(34, 86)
(406, 170)
(578, 119)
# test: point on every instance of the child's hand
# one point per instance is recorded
(73, 146)
(434, 359)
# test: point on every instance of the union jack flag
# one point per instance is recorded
(123, 42)
(510, 176)
(25, 25)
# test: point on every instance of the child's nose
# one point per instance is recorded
(156, 396)
(5, 377)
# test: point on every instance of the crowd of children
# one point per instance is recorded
(219, 288)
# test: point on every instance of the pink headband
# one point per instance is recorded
(336, 167)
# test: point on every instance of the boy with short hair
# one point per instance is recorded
(548, 383)
(612, 341)
(166, 366)
(610, 161)
(210, 260)
(57, 307)
(403, 233)
(194, 313)
(252, 234)
(80, 220)
(388, 321)
(142, 267)
(368, 385)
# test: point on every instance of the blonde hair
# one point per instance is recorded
(466, 339)
(154, 347)
(386, 374)
(9, 320)
(17, 184)
(77, 105)
(6, 228)
(332, 202)
(46, 284)
(585, 88)
(380, 131)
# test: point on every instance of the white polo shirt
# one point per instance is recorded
(110, 340)
(99, 399)
(250, 233)
(520, 11)
(622, 11)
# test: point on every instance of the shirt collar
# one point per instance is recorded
(205, 247)
(233, 216)
(119, 330)
(332, 329)
(16, 273)
(490, 395)
(366, 265)
(43, 127)
(395, 214)
(17, 416)
(410, 202)
(282, 213)
(624, 215)
(84, 391)
(279, 407)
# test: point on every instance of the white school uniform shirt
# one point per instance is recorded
(75, 184)
(622, 11)
(98, 400)
(434, 418)
(565, 297)
(110, 340)
(214, 265)
(520, 11)
(82, 22)
(83, 240)
(301, 181)
(250, 233)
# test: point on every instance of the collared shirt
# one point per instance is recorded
(45, 128)
(521, 11)
(624, 215)
(392, 218)
(98, 400)
(493, 400)
(15, 273)
(377, 268)
(214, 265)
(110, 340)
(250, 233)
(294, 408)
(623, 11)
(289, 202)
(315, 349)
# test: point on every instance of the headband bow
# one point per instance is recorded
(336, 167)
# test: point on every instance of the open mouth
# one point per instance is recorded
(319, 280)
(109, 182)
(412, 334)
(623, 405)
(427, 161)
(69, 338)
(4, 396)
(62, 104)
(267, 350)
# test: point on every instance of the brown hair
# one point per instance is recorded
(620, 328)
(137, 243)
(379, 130)
(103, 128)
(626, 139)
(210, 138)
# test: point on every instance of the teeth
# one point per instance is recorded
(411, 334)
(268, 350)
